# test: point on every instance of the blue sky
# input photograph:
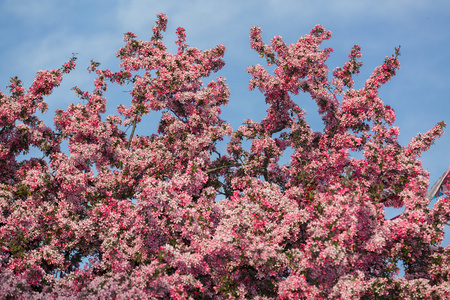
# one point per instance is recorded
(43, 34)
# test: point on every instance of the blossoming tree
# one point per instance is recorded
(124, 216)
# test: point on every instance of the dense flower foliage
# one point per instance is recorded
(124, 216)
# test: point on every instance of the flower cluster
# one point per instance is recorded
(167, 215)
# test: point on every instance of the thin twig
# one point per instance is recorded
(221, 167)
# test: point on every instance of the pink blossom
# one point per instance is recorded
(128, 216)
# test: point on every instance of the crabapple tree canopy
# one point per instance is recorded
(128, 216)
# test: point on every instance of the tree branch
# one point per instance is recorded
(131, 134)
